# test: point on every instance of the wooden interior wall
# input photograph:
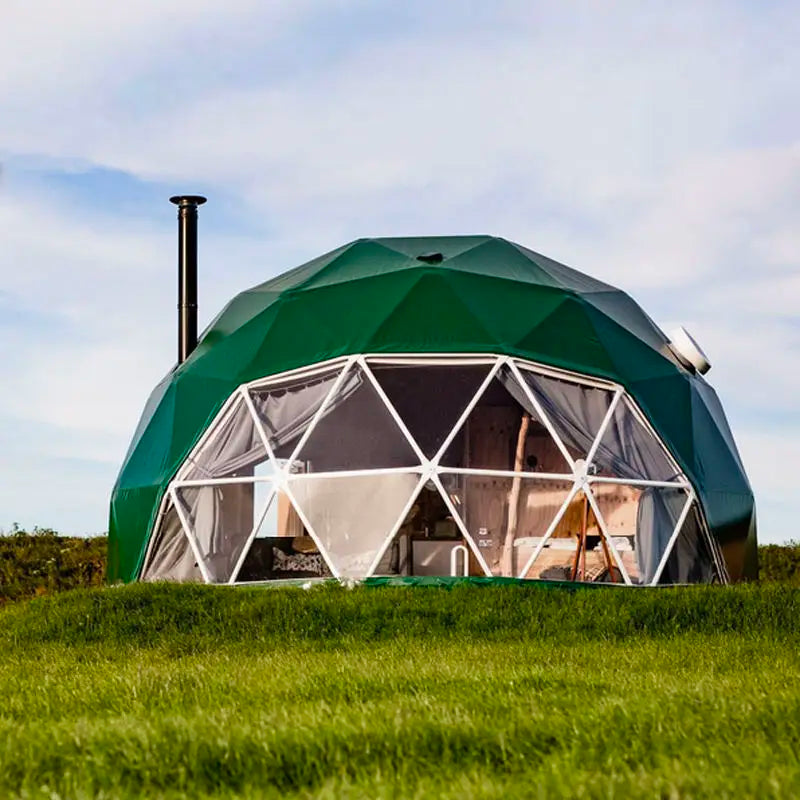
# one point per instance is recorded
(289, 522)
(492, 433)
(236, 509)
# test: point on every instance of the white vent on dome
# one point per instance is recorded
(688, 351)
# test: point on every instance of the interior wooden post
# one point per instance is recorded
(507, 567)
(584, 531)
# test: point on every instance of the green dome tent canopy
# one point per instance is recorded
(547, 338)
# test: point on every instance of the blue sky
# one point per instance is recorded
(655, 146)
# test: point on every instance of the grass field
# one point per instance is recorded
(187, 691)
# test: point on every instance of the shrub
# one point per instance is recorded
(42, 562)
(780, 563)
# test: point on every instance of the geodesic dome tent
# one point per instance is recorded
(429, 408)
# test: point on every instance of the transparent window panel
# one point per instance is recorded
(429, 542)
(691, 560)
(430, 399)
(506, 517)
(286, 410)
(282, 548)
(171, 557)
(577, 549)
(356, 431)
(233, 449)
(352, 517)
(576, 411)
(221, 518)
(620, 507)
(629, 451)
(641, 521)
(504, 432)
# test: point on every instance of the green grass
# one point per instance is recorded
(517, 691)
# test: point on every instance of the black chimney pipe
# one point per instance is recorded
(187, 272)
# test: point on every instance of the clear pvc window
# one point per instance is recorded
(576, 411)
(576, 547)
(505, 431)
(281, 547)
(690, 560)
(285, 410)
(506, 516)
(233, 448)
(628, 450)
(430, 541)
(352, 517)
(220, 519)
(426, 466)
(430, 399)
(171, 557)
(356, 431)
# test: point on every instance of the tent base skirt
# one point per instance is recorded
(442, 582)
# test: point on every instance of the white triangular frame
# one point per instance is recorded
(251, 537)
(674, 538)
(188, 532)
(343, 475)
(430, 469)
(188, 529)
(282, 482)
(166, 501)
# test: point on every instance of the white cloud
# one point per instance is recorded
(53, 46)
(653, 148)
(716, 216)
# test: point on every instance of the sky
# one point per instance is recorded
(655, 146)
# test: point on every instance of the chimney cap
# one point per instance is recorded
(188, 199)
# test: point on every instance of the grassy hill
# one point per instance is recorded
(515, 691)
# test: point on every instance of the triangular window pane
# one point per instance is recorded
(356, 431)
(430, 398)
(287, 409)
(577, 549)
(690, 560)
(629, 451)
(353, 516)
(221, 518)
(505, 432)
(232, 449)
(282, 548)
(429, 542)
(640, 521)
(505, 516)
(575, 410)
(170, 557)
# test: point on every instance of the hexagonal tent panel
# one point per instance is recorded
(380, 412)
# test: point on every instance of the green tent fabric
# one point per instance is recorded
(467, 294)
